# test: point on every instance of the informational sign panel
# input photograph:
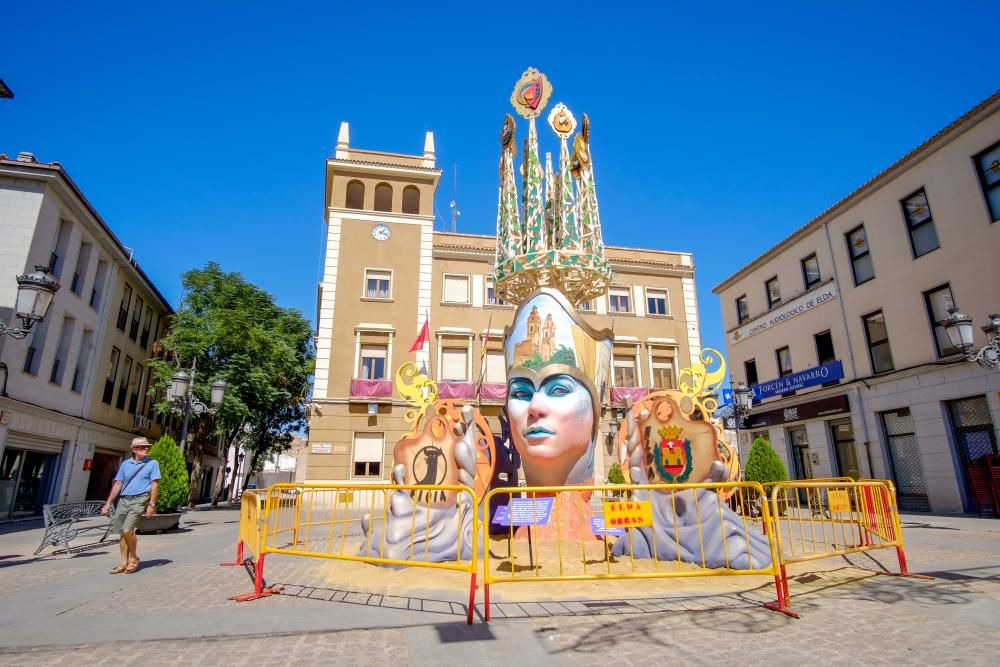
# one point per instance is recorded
(839, 501)
(322, 448)
(828, 372)
(628, 513)
(598, 528)
(785, 312)
(524, 512)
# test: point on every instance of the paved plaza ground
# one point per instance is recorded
(60, 609)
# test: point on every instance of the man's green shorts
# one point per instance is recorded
(128, 512)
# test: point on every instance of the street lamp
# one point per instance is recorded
(180, 392)
(959, 330)
(742, 401)
(34, 296)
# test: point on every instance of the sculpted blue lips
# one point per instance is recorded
(537, 431)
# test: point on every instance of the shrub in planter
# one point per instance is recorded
(615, 476)
(764, 465)
(173, 475)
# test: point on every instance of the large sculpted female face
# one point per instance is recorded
(552, 426)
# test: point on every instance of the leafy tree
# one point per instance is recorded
(615, 475)
(763, 463)
(236, 332)
(173, 475)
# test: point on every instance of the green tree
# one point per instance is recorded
(265, 354)
(173, 475)
(615, 475)
(763, 463)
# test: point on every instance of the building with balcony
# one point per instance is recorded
(836, 328)
(386, 270)
(75, 387)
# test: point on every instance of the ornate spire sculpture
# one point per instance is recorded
(558, 244)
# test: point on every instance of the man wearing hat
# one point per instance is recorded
(137, 484)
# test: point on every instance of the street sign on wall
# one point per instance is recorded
(828, 372)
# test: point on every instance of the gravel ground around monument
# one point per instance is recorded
(66, 609)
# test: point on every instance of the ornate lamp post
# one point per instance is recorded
(34, 296)
(959, 330)
(741, 408)
(180, 392)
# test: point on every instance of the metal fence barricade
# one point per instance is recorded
(580, 533)
(249, 531)
(816, 519)
(325, 521)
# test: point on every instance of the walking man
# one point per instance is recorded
(137, 482)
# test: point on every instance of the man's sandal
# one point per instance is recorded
(132, 567)
(118, 569)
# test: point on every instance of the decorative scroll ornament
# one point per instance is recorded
(554, 238)
(700, 383)
(531, 93)
(416, 389)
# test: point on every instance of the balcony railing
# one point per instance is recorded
(618, 394)
(142, 424)
(465, 390)
(371, 389)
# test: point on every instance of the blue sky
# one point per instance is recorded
(199, 130)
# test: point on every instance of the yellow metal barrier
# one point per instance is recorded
(325, 521)
(816, 519)
(567, 551)
(249, 532)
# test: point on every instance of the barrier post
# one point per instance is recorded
(239, 555)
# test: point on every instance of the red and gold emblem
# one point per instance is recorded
(531, 93)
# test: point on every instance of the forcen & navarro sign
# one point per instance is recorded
(828, 372)
(807, 301)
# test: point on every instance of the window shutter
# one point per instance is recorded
(454, 364)
(368, 447)
(496, 370)
(456, 289)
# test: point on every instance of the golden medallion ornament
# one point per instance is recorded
(531, 93)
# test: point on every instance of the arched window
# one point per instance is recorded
(355, 195)
(383, 197)
(411, 199)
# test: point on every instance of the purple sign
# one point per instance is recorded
(598, 528)
(525, 511)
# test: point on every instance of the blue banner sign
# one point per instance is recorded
(598, 528)
(727, 396)
(525, 512)
(828, 372)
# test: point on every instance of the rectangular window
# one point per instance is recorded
(861, 258)
(378, 284)
(123, 384)
(938, 301)
(123, 308)
(586, 305)
(657, 301)
(33, 356)
(82, 360)
(368, 453)
(742, 310)
(58, 256)
(82, 264)
(624, 371)
(147, 322)
(97, 289)
(904, 457)
(784, 356)
(988, 166)
(109, 379)
(773, 292)
(456, 289)
(619, 300)
(824, 348)
(663, 373)
(496, 369)
(810, 271)
(133, 400)
(750, 370)
(878, 342)
(373, 358)
(133, 330)
(491, 295)
(920, 224)
(455, 364)
(62, 351)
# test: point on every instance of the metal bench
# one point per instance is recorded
(65, 521)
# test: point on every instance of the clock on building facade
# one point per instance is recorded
(380, 232)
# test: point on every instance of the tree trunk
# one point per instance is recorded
(197, 472)
(220, 479)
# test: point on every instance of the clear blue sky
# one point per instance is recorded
(199, 130)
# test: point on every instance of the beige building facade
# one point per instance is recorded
(386, 271)
(75, 391)
(858, 291)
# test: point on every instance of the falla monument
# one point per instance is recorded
(549, 260)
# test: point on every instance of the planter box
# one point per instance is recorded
(158, 523)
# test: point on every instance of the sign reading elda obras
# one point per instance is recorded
(804, 303)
